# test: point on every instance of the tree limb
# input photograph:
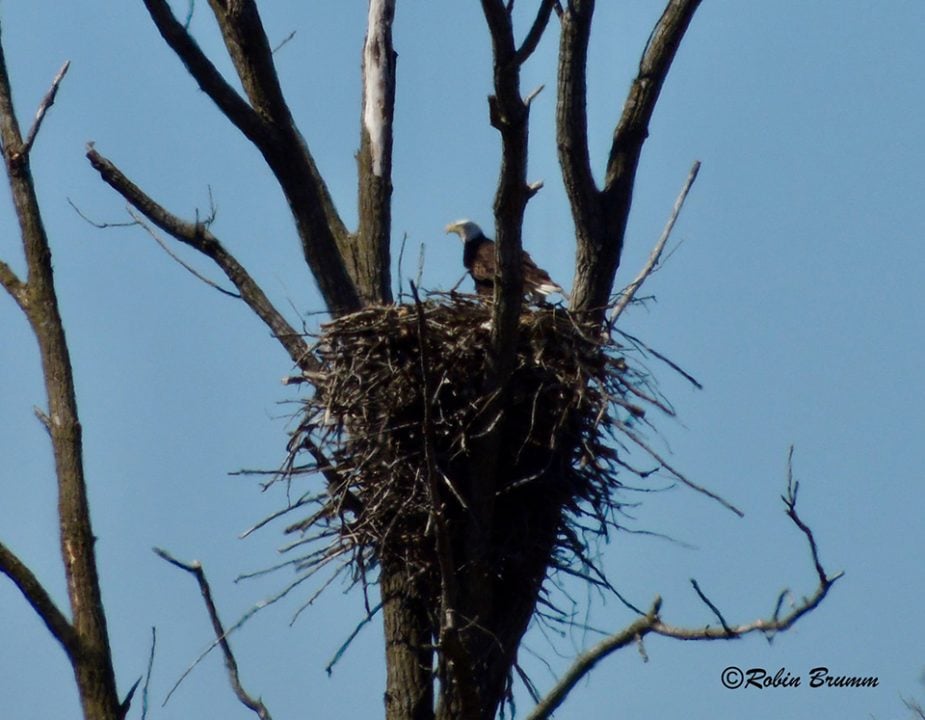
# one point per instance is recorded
(88, 650)
(267, 122)
(601, 215)
(535, 33)
(231, 664)
(44, 106)
(13, 285)
(509, 115)
(199, 237)
(207, 76)
(633, 127)
(39, 599)
(585, 662)
(652, 622)
(572, 129)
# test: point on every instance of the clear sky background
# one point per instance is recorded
(795, 298)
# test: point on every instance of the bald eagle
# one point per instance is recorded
(479, 259)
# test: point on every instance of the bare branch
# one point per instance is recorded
(250, 51)
(633, 127)
(283, 42)
(126, 704)
(12, 284)
(790, 501)
(572, 122)
(43, 418)
(39, 599)
(329, 668)
(197, 236)
(99, 225)
(677, 474)
(195, 569)
(709, 604)
(587, 660)
(509, 114)
(536, 32)
(652, 623)
(210, 80)
(600, 215)
(144, 690)
(88, 650)
(532, 95)
(656, 254)
(46, 103)
(268, 123)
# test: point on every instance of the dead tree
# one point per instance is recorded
(83, 636)
(451, 631)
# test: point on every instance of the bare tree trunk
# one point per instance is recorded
(85, 638)
(371, 257)
(409, 644)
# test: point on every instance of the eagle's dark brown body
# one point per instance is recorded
(479, 260)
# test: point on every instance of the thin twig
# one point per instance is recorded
(401, 255)
(329, 668)
(709, 604)
(283, 41)
(144, 690)
(656, 254)
(126, 704)
(790, 501)
(199, 237)
(96, 223)
(180, 261)
(588, 659)
(690, 483)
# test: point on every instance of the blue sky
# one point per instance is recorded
(794, 298)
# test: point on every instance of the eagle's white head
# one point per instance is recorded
(466, 229)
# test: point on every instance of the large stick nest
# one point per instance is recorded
(401, 407)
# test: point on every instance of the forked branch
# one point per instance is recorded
(652, 621)
(601, 214)
(266, 121)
